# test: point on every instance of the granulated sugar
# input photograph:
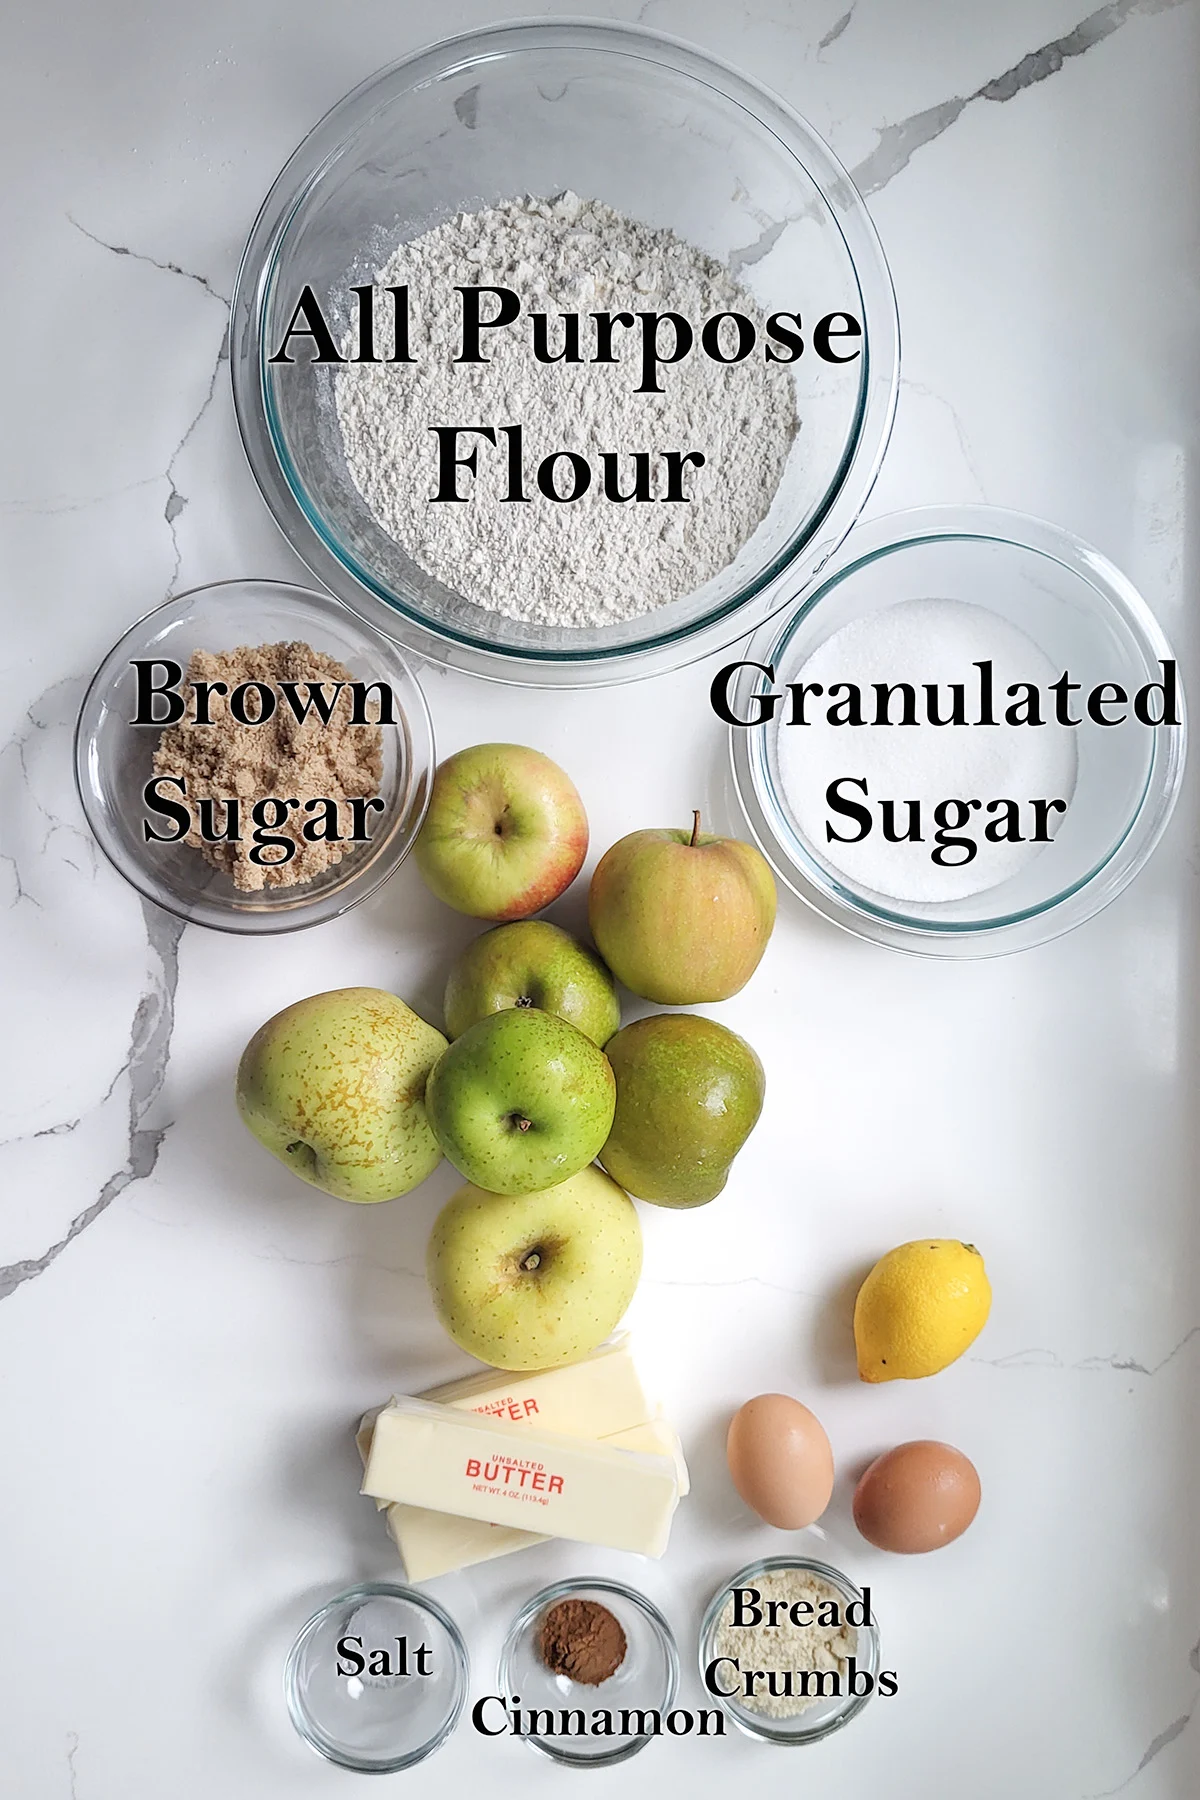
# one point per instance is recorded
(591, 561)
(921, 642)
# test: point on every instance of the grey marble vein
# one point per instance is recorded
(899, 143)
(466, 107)
(167, 268)
(21, 892)
(72, 1752)
(835, 31)
(176, 501)
(1159, 1742)
(948, 406)
(145, 1067)
(40, 716)
(47, 509)
(62, 1129)
(1127, 1365)
(1156, 1745)
(1033, 1358)
(762, 246)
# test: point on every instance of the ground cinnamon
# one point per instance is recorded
(583, 1640)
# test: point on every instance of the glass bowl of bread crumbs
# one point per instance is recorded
(254, 757)
(790, 1649)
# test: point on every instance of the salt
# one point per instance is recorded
(921, 642)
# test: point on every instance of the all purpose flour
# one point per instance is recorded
(591, 561)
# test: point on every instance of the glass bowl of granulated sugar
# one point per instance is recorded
(254, 757)
(971, 738)
(564, 353)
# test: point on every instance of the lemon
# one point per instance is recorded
(921, 1306)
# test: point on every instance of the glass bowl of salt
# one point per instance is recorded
(966, 740)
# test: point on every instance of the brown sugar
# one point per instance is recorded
(583, 1640)
(286, 757)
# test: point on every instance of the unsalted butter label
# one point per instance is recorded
(503, 1472)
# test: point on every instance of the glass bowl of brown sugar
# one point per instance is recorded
(254, 757)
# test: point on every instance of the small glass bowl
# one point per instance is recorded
(113, 757)
(823, 1716)
(1085, 617)
(647, 1678)
(657, 130)
(377, 1724)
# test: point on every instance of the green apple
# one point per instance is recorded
(505, 832)
(689, 1093)
(532, 963)
(520, 1101)
(682, 918)
(334, 1086)
(534, 1280)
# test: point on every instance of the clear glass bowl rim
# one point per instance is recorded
(302, 912)
(311, 1732)
(766, 1565)
(353, 586)
(1059, 913)
(562, 1590)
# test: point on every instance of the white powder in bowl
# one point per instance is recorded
(591, 561)
(921, 642)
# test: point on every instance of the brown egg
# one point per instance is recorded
(780, 1461)
(916, 1497)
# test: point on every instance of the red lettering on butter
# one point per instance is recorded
(513, 1474)
(511, 1407)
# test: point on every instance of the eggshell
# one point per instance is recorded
(780, 1460)
(916, 1497)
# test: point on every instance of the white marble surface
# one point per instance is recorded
(186, 1335)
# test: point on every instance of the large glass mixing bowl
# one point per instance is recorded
(663, 134)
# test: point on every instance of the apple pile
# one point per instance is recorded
(534, 1261)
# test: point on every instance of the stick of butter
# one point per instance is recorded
(434, 1543)
(592, 1398)
(598, 1397)
(425, 1454)
(600, 1394)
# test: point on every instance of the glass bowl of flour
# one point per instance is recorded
(564, 353)
(966, 740)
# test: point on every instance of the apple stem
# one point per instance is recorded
(532, 1261)
(695, 831)
(521, 1123)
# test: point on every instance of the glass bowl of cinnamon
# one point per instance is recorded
(582, 1648)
